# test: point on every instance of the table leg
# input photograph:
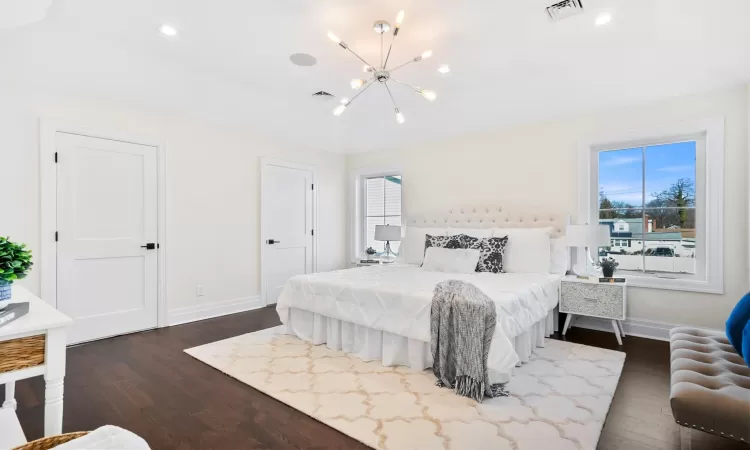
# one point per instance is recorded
(617, 331)
(567, 323)
(53, 378)
(10, 395)
(622, 328)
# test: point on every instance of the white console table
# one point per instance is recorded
(42, 322)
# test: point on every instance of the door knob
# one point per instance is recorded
(149, 246)
(272, 241)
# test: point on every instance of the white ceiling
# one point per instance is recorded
(510, 63)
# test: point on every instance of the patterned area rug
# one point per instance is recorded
(559, 400)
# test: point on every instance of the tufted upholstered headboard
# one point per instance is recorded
(490, 217)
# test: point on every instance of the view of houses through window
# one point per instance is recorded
(382, 206)
(647, 195)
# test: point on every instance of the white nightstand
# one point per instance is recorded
(594, 299)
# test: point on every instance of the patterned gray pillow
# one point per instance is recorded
(491, 252)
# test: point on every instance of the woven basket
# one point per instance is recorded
(51, 441)
(22, 353)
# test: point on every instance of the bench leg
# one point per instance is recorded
(685, 439)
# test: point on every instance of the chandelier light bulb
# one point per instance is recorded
(603, 19)
(400, 117)
(428, 94)
(334, 38)
(427, 54)
(168, 30)
(344, 101)
(399, 18)
(367, 68)
(356, 83)
(339, 110)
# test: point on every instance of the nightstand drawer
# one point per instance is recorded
(592, 299)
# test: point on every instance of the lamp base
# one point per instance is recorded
(388, 252)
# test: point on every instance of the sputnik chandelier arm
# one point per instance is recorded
(399, 20)
(343, 45)
(424, 55)
(382, 74)
(399, 115)
(426, 93)
(340, 109)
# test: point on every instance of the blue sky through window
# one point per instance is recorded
(621, 171)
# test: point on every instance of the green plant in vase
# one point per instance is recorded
(370, 252)
(15, 263)
(608, 265)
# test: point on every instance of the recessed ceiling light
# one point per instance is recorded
(444, 69)
(168, 30)
(303, 59)
(603, 19)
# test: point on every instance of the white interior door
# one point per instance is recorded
(286, 226)
(106, 214)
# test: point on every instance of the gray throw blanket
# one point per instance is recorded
(462, 322)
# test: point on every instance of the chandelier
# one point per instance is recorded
(382, 74)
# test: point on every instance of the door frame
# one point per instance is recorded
(264, 235)
(48, 129)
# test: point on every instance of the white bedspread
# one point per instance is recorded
(397, 298)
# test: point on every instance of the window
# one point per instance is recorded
(661, 197)
(381, 206)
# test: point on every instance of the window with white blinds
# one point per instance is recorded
(382, 206)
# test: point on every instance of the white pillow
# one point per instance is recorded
(559, 258)
(528, 249)
(473, 232)
(412, 247)
(453, 260)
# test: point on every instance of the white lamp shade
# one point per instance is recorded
(602, 236)
(387, 233)
(577, 235)
(587, 236)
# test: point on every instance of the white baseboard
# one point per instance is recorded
(187, 314)
(633, 327)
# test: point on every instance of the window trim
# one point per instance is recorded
(713, 173)
(357, 220)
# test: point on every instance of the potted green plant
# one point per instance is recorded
(608, 265)
(370, 252)
(15, 262)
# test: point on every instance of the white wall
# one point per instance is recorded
(212, 190)
(536, 164)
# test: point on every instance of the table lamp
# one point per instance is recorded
(388, 233)
(587, 236)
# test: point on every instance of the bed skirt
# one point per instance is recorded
(394, 350)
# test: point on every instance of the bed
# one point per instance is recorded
(383, 312)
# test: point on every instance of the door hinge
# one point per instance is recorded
(55, 156)
(57, 236)
(312, 232)
(312, 187)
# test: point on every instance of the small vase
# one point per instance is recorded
(4, 295)
(608, 272)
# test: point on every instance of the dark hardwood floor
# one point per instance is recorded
(146, 383)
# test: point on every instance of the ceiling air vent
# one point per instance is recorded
(564, 9)
(323, 97)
